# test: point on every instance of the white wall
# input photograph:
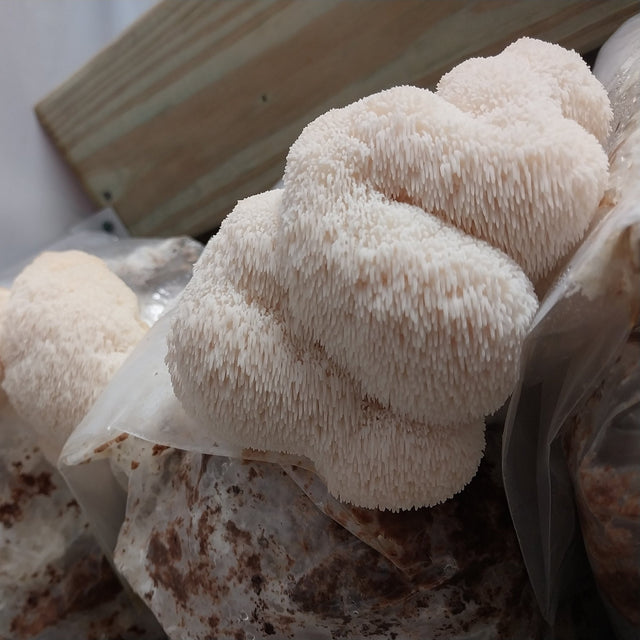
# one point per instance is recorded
(42, 42)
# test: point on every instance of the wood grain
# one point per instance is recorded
(196, 105)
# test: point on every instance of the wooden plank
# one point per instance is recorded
(196, 105)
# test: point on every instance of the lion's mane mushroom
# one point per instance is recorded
(370, 314)
(544, 170)
(236, 364)
(4, 296)
(69, 323)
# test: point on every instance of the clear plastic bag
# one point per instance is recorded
(157, 271)
(602, 444)
(136, 416)
(571, 435)
(221, 542)
(55, 581)
(225, 548)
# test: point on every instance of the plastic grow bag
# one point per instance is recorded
(224, 542)
(226, 547)
(55, 581)
(571, 455)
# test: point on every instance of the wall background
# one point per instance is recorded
(41, 44)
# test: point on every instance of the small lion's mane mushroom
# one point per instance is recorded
(69, 323)
(372, 313)
(4, 296)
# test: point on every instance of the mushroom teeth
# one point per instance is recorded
(68, 325)
(236, 364)
(370, 314)
(4, 296)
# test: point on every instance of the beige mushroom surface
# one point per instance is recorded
(371, 314)
(4, 296)
(68, 325)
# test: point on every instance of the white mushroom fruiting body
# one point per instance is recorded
(372, 313)
(69, 323)
(232, 323)
(4, 296)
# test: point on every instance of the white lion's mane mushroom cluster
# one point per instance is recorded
(68, 324)
(371, 314)
(4, 296)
